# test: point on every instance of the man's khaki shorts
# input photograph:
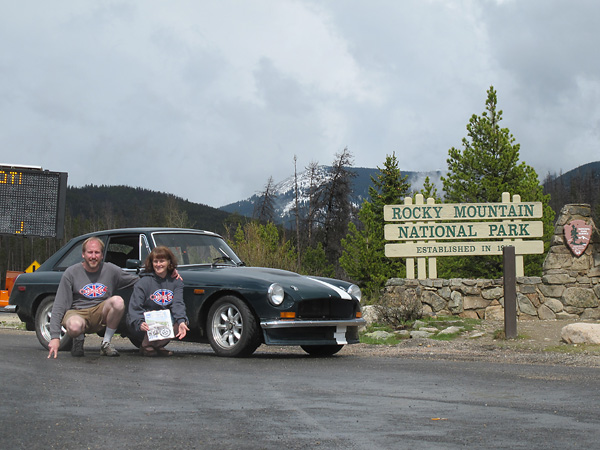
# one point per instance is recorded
(92, 317)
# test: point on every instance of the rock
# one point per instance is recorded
(477, 334)
(545, 313)
(555, 305)
(492, 294)
(416, 334)
(590, 314)
(559, 278)
(451, 330)
(429, 329)
(581, 333)
(580, 298)
(456, 302)
(432, 299)
(525, 306)
(566, 316)
(475, 303)
(469, 315)
(418, 324)
(379, 334)
(552, 290)
(494, 312)
(369, 313)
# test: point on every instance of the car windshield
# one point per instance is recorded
(196, 248)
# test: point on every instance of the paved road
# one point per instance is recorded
(286, 400)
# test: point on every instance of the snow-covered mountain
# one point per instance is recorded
(285, 190)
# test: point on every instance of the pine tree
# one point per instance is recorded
(363, 256)
(487, 166)
(430, 191)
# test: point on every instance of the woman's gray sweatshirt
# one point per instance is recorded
(153, 293)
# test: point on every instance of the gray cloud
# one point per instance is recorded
(206, 100)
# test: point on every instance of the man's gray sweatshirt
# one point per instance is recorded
(80, 289)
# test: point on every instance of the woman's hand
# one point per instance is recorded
(182, 330)
(144, 326)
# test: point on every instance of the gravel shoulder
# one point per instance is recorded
(538, 342)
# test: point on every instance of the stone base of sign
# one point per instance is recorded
(568, 289)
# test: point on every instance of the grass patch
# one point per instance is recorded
(441, 323)
(500, 335)
(447, 336)
(13, 325)
(392, 339)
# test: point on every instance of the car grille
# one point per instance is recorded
(326, 308)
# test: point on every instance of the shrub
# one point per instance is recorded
(396, 310)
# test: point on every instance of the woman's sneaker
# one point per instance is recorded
(77, 347)
(107, 349)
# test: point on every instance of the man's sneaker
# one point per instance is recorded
(77, 347)
(107, 349)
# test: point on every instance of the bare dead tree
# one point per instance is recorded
(264, 209)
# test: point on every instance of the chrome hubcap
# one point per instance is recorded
(227, 326)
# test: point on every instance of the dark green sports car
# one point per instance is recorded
(233, 307)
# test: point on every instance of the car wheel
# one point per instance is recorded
(232, 328)
(321, 350)
(42, 325)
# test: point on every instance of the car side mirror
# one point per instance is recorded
(134, 264)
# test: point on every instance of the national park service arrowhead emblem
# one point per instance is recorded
(577, 235)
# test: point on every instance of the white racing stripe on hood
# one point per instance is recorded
(340, 292)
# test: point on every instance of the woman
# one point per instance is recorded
(156, 290)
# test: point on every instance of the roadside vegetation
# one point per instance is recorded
(436, 328)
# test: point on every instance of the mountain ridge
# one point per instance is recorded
(284, 191)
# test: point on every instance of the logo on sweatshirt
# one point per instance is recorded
(93, 290)
(162, 297)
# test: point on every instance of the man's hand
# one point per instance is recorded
(176, 275)
(53, 347)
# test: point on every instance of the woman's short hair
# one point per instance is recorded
(160, 252)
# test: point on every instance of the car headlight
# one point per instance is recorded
(276, 294)
(354, 290)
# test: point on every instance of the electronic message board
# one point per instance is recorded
(32, 201)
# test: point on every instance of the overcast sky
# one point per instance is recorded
(208, 99)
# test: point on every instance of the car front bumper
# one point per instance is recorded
(311, 332)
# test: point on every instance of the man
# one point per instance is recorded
(85, 302)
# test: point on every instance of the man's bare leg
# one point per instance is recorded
(75, 326)
(112, 312)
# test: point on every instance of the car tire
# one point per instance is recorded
(232, 328)
(42, 325)
(322, 350)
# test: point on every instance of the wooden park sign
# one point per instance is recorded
(478, 228)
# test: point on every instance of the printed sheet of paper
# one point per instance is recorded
(161, 326)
